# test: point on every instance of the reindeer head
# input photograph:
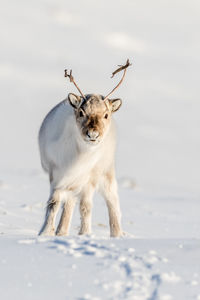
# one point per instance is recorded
(93, 115)
(93, 112)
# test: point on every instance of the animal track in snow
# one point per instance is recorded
(134, 279)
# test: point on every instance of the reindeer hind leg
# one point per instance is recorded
(53, 205)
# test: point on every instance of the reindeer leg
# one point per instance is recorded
(53, 205)
(86, 209)
(109, 192)
(65, 220)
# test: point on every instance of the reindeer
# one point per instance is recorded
(77, 147)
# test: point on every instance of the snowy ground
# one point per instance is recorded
(160, 260)
(158, 165)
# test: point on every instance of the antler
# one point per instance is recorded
(71, 78)
(115, 72)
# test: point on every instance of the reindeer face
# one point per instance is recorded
(93, 115)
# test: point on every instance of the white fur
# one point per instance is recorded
(76, 168)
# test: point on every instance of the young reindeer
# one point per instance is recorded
(77, 147)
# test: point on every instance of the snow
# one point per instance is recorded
(158, 165)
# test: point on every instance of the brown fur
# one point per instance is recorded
(93, 119)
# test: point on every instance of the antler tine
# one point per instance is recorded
(71, 78)
(115, 72)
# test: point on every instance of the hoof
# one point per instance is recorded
(61, 233)
(47, 233)
(81, 232)
(117, 234)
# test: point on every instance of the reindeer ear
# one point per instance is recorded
(74, 100)
(115, 104)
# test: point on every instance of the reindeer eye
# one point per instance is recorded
(106, 116)
(81, 114)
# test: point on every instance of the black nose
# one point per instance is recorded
(92, 134)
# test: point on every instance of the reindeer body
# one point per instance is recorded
(77, 147)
